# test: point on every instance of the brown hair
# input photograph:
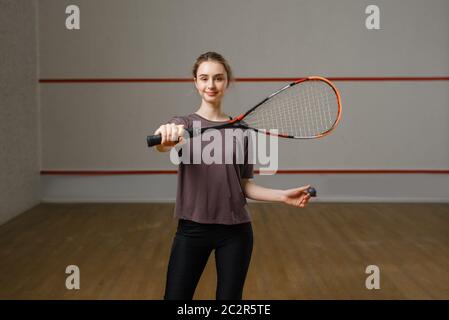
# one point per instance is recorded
(213, 56)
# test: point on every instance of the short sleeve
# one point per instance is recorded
(178, 120)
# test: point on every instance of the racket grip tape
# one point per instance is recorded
(154, 140)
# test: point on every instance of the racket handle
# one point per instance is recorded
(154, 140)
(311, 191)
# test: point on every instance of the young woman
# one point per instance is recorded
(211, 198)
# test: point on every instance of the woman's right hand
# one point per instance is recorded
(171, 134)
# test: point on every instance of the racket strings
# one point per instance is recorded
(306, 109)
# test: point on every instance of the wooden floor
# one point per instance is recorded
(320, 252)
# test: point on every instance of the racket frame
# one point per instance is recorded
(311, 78)
(237, 121)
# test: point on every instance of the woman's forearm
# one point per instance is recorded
(256, 192)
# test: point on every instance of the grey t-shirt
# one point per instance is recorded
(212, 193)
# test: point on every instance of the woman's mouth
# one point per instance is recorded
(211, 94)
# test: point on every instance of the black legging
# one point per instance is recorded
(191, 248)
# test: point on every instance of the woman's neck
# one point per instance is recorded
(211, 112)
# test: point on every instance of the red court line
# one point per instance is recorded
(119, 80)
(177, 80)
(151, 172)
(180, 80)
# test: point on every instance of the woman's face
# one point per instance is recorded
(211, 81)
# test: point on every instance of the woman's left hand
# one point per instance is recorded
(298, 197)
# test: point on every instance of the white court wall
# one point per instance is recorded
(390, 125)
